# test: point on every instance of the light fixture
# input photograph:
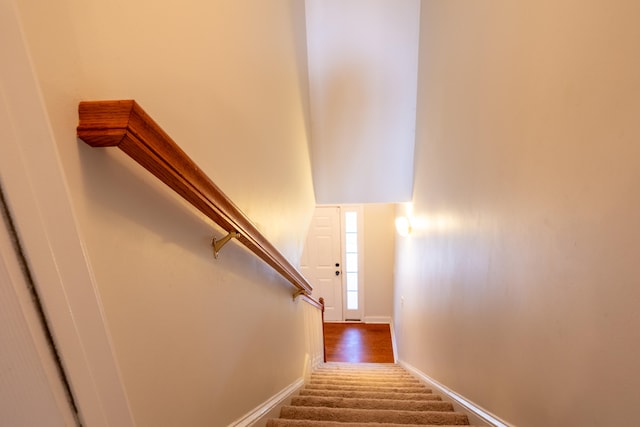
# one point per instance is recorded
(403, 226)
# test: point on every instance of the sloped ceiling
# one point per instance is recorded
(363, 68)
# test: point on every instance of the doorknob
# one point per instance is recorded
(337, 273)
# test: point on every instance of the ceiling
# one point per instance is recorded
(363, 71)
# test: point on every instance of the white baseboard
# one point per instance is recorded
(377, 319)
(269, 409)
(475, 413)
(393, 341)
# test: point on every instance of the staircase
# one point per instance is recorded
(366, 395)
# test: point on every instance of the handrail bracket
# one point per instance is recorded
(219, 243)
(298, 293)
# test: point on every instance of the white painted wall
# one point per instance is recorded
(379, 251)
(363, 57)
(520, 282)
(197, 341)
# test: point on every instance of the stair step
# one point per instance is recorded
(366, 395)
(365, 383)
(343, 402)
(355, 371)
(367, 378)
(373, 415)
(389, 369)
(370, 394)
(280, 422)
(347, 374)
(373, 378)
(391, 389)
(362, 367)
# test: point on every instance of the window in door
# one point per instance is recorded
(351, 255)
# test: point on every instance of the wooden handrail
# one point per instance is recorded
(319, 304)
(125, 125)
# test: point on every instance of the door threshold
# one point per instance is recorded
(344, 321)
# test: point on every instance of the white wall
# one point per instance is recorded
(198, 341)
(379, 250)
(520, 282)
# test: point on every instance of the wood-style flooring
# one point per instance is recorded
(358, 343)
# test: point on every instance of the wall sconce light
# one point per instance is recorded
(403, 226)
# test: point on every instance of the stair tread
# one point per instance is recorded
(392, 369)
(365, 383)
(346, 374)
(355, 378)
(376, 380)
(395, 389)
(368, 403)
(280, 422)
(369, 394)
(373, 415)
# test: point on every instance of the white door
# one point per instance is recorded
(322, 258)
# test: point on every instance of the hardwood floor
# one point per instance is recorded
(358, 342)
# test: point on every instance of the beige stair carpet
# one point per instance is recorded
(366, 395)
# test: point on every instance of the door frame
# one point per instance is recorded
(36, 392)
(349, 315)
(37, 196)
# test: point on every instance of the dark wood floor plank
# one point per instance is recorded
(358, 343)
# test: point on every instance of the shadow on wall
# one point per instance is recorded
(299, 30)
(118, 190)
(137, 208)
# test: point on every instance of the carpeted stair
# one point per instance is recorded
(366, 395)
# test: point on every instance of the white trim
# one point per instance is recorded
(38, 197)
(377, 319)
(474, 410)
(34, 391)
(393, 341)
(261, 412)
